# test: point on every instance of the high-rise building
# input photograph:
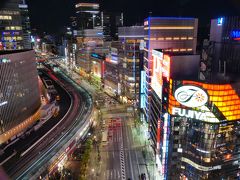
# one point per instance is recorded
(194, 125)
(172, 35)
(223, 52)
(130, 57)
(88, 15)
(26, 28)
(110, 23)
(166, 66)
(11, 33)
(19, 93)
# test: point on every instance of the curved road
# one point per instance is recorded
(48, 146)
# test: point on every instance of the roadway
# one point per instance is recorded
(25, 141)
(122, 157)
(60, 134)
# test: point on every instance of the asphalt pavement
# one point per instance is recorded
(27, 140)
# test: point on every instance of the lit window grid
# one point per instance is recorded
(169, 38)
(5, 17)
(169, 27)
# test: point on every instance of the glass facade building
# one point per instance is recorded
(19, 92)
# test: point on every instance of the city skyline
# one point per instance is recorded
(144, 90)
(57, 12)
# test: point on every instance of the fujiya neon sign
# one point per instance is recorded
(191, 96)
(202, 116)
(189, 113)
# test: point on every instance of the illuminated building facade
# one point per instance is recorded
(165, 66)
(111, 22)
(195, 125)
(19, 93)
(88, 15)
(26, 28)
(130, 56)
(225, 41)
(11, 34)
(97, 68)
(204, 130)
(172, 35)
(87, 43)
(112, 83)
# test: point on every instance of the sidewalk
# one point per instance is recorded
(140, 134)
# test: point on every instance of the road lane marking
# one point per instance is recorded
(114, 174)
(130, 158)
(119, 176)
(137, 162)
(107, 174)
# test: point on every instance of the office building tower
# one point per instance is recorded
(130, 57)
(111, 22)
(11, 34)
(88, 15)
(225, 45)
(172, 35)
(19, 93)
(26, 28)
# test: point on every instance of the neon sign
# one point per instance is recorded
(219, 21)
(166, 66)
(191, 96)
(97, 56)
(200, 167)
(189, 113)
(235, 34)
(199, 115)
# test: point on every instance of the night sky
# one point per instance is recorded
(52, 15)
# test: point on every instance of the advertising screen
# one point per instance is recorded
(205, 102)
(161, 67)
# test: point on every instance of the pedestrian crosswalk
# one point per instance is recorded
(112, 174)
